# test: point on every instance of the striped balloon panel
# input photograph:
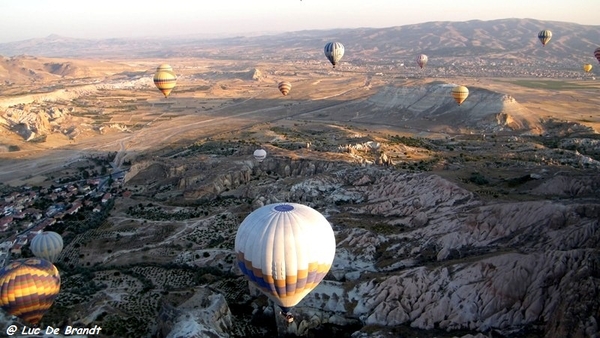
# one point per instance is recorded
(284, 87)
(287, 291)
(545, 36)
(597, 54)
(165, 81)
(28, 287)
(285, 250)
(460, 94)
(47, 245)
(334, 52)
(164, 67)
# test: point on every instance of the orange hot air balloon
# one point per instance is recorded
(460, 93)
(165, 81)
(284, 87)
(28, 287)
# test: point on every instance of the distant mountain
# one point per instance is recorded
(506, 38)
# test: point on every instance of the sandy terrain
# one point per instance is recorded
(214, 97)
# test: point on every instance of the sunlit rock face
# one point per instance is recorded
(483, 110)
(205, 314)
(419, 252)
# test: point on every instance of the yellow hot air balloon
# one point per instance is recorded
(587, 67)
(285, 249)
(284, 87)
(164, 67)
(28, 287)
(460, 93)
(165, 81)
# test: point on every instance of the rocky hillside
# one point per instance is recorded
(484, 110)
(415, 251)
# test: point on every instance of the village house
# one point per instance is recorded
(106, 197)
(16, 249)
(34, 213)
(74, 208)
(11, 197)
(5, 222)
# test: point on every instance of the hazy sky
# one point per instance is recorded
(24, 19)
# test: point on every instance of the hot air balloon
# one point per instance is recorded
(460, 93)
(47, 245)
(587, 67)
(285, 249)
(597, 54)
(334, 52)
(164, 67)
(545, 36)
(165, 81)
(260, 154)
(284, 87)
(28, 287)
(422, 60)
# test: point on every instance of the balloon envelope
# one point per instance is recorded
(545, 36)
(28, 287)
(165, 81)
(164, 67)
(587, 67)
(422, 60)
(284, 87)
(47, 245)
(334, 52)
(597, 54)
(460, 93)
(285, 249)
(260, 154)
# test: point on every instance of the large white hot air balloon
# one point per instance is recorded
(285, 249)
(47, 245)
(260, 154)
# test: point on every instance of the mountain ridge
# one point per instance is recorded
(474, 38)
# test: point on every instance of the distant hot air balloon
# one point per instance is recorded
(165, 81)
(597, 54)
(460, 93)
(545, 36)
(260, 154)
(587, 67)
(164, 67)
(284, 87)
(28, 287)
(285, 249)
(47, 245)
(422, 60)
(334, 52)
